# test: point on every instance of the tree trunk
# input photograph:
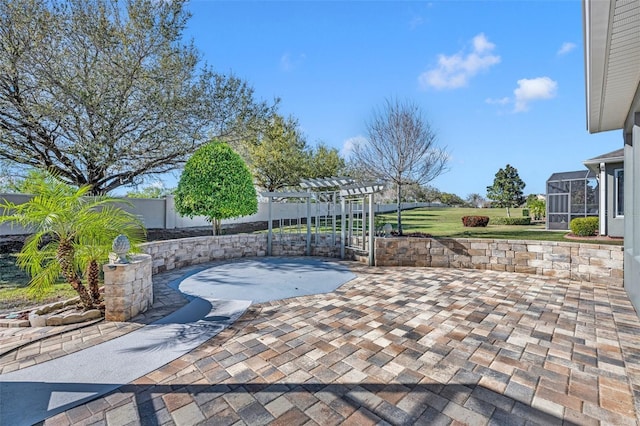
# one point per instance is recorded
(93, 279)
(216, 224)
(399, 205)
(508, 212)
(64, 256)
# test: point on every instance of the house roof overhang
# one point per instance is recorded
(616, 156)
(612, 62)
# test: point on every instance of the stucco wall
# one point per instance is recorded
(586, 262)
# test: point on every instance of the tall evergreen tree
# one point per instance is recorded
(507, 188)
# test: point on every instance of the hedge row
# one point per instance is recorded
(475, 221)
(511, 221)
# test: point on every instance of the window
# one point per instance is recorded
(618, 176)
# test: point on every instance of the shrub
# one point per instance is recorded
(511, 221)
(475, 221)
(584, 226)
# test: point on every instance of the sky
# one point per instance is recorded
(500, 82)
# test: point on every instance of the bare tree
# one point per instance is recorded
(475, 200)
(102, 92)
(401, 148)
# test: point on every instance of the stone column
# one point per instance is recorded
(128, 288)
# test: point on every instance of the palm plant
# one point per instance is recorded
(72, 236)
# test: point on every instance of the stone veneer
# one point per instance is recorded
(128, 288)
(585, 262)
(171, 254)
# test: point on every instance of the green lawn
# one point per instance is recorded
(447, 222)
(14, 284)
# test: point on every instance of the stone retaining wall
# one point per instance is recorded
(586, 262)
(171, 254)
(128, 288)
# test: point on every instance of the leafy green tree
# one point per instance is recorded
(103, 92)
(324, 162)
(280, 158)
(401, 148)
(537, 207)
(507, 188)
(430, 194)
(151, 191)
(72, 235)
(451, 199)
(216, 183)
(413, 191)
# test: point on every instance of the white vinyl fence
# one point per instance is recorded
(160, 213)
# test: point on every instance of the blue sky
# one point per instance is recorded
(501, 82)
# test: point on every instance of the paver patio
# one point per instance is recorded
(399, 346)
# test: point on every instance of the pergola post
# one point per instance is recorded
(364, 223)
(372, 237)
(270, 233)
(308, 250)
(343, 226)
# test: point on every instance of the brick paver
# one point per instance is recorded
(404, 346)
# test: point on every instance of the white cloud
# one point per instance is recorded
(533, 89)
(288, 61)
(349, 145)
(566, 48)
(498, 101)
(455, 71)
(415, 22)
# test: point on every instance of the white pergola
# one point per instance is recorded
(612, 68)
(347, 189)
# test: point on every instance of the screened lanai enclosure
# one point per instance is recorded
(327, 216)
(571, 195)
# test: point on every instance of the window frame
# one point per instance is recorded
(618, 193)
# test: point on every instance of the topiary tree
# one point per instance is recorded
(216, 183)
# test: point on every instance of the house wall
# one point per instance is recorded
(615, 224)
(632, 204)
